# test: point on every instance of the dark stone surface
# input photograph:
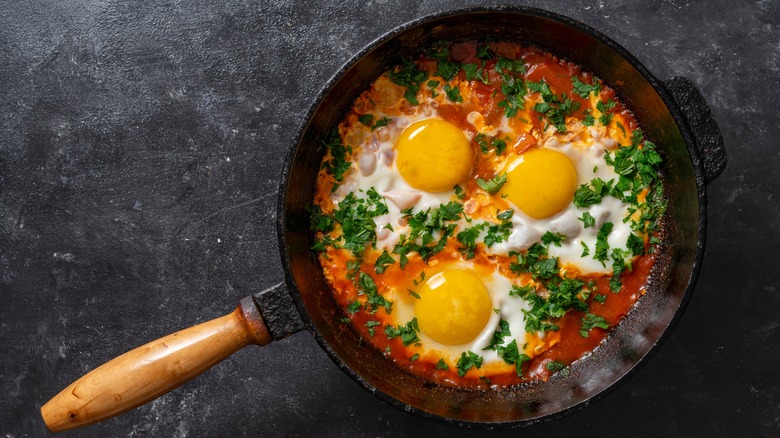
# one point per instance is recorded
(140, 148)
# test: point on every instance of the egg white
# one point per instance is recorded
(387, 180)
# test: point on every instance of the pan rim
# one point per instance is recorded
(676, 113)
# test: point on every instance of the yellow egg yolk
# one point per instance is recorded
(542, 183)
(453, 308)
(433, 155)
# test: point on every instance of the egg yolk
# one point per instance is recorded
(433, 155)
(542, 183)
(453, 308)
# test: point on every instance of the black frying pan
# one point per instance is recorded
(672, 113)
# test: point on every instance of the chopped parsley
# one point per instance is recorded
(602, 245)
(589, 120)
(554, 366)
(485, 52)
(383, 261)
(554, 238)
(468, 238)
(498, 336)
(497, 233)
(367, 286)
(635, 244)
(536, 262)
(441, 365)
(587, 220)
(600, 298)
(319, 221)
(384, 121)
(453, 93)
(459, 192)
(583, 89)
(467, 361)
(423, 227)
(366, 119)
(371, 325)
(475, 71)
(494, 185)
(511, 355)
(356, 217)
(591, 321)
(561, 295)
(590, 194)
(585, 249)
(513, 87)
(338, 164)
(554, 108)
(603, 107)
(486, 144)
(407, 332)
(409, 76)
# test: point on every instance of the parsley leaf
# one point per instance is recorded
(447, 70)
(453, 93)
(366, 119)
(554, 238)
(513, 87)
(585, 249)
(498, 336)
(383, 261)
(554, 108)
(459, 192)
(319, 221)
(409, 76)
(590, 194)
(635, 244)
(468, 237)
(583, 89)
(511, 355)
(467, 361)
(500, 145)
(338, 164)
(589, 322)
(494, 185)
(441, 365)
(554, 366)
(367, 286)
(485, 52)
(587, 220)
(589, 120)
(371, 325)
(603, 107)
(384, 121)
(407, 332)
(602, 245)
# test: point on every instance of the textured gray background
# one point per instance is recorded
(140, 148)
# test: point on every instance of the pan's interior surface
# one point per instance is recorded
(631, 340)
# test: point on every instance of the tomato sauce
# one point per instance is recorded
(485, 98)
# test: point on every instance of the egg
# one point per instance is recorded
(540, 182)
(434, 155)
(459, 308)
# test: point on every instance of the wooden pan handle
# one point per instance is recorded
(152, 370)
